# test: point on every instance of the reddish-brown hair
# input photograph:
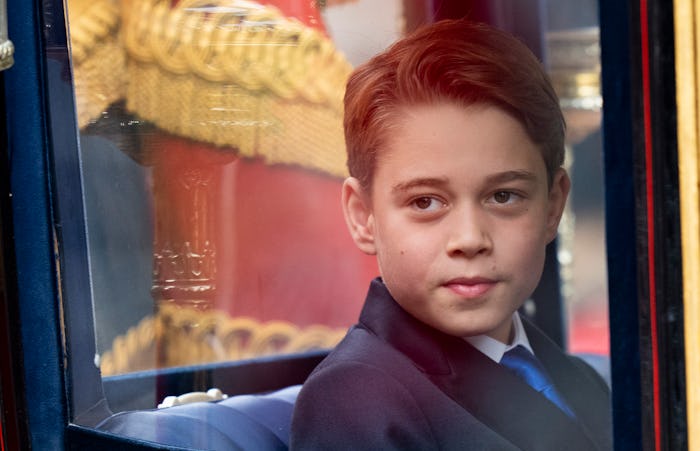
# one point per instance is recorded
(454, 61)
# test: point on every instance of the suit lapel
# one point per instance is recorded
(482, 387)
(508, 405)
(383, 316)
(592, 407)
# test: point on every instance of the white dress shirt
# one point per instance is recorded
(494, 349)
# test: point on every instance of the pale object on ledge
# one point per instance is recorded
(213, 394)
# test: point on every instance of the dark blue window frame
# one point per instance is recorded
(42, 144)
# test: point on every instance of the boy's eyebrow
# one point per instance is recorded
(440, 182)
(509, 176)
(422, 182)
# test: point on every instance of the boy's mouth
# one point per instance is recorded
(470, 287)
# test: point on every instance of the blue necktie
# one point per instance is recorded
(526, 366)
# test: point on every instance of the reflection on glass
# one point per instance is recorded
(212, 147)
(573, 56)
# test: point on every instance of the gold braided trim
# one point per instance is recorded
(133, 351)
(190, 336)
(240, 75)
(240, 42)
(91, 23)
(261, 125)
(99, 61)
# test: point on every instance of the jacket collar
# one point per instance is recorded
(383, 316)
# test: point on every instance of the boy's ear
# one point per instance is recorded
(558, 193)
(358, 215)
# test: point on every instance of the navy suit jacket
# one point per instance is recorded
(396, 383)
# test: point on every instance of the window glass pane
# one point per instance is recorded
(212, 159)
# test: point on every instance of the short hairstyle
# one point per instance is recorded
(453, 61)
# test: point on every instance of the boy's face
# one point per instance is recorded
(459, 217)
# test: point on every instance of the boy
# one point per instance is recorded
(455, 144)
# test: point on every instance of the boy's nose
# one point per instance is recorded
(469, 237)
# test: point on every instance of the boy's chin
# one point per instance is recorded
(500, 331)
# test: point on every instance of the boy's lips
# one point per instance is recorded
(470, 287)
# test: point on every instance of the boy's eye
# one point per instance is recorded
(426, 203)
(502, 197)
(505, 197)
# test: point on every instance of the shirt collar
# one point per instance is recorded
(494, 349)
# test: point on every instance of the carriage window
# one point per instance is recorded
(212, 157)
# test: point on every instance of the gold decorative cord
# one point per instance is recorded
(235, 74)
(189, 336)
(239, 75)
(240, 42)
